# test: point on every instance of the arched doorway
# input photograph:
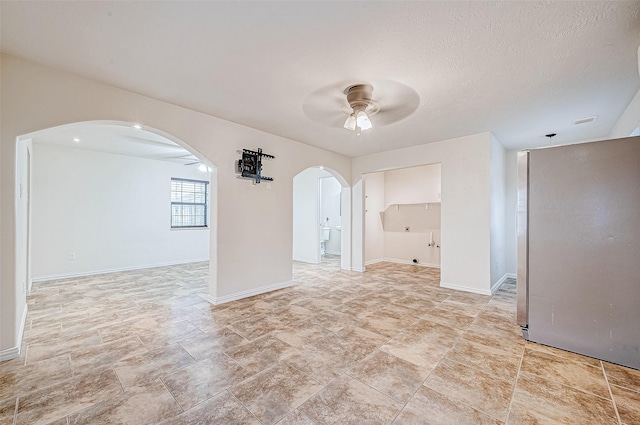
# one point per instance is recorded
(321, 211)
(104, 201)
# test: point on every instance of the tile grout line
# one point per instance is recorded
(487, 373)
(26, 353)
(174, 398)
(434, 368)
(515, 383)
(613, 400)
(451, 348)
(281, 363)
(242, 404)
(73, 369)
(567, 385)
(404, 404)
(15, 410)
(113, 369)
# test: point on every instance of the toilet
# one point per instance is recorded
(324, 236)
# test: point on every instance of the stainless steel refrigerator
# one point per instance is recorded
(578, 229)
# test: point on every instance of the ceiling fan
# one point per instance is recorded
(361, 106)
(202, 167)
(359, 97)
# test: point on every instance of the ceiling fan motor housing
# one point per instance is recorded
(359, 96)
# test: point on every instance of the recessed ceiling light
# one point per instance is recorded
(137, 126)
(586, 120)
(75, 139)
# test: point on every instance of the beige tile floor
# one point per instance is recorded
(388, 346)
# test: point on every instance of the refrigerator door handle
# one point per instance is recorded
(522, 232)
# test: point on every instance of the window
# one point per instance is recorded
(189, 203)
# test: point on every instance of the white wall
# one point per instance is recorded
(373, 229)
(497, 222)
(395, 199)
(112, 211)
(629, 120)
(411, 188)
(402, 246)
(413, 185)
(243, 256)
(306, 223)
(466, 184)
(330, 194)
(511, 198)
(13, 309)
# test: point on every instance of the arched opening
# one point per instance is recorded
(321, 211)
(104, 196)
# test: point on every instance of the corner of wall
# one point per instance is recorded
(511, 193)
(497, 213)
(246, 294)
(629, 120)
(14, 352)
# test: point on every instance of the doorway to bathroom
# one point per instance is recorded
(330, 230)
(317, 218)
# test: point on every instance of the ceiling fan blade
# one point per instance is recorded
(397, 102)
(328, 105)
(329, 117)
(392, 114)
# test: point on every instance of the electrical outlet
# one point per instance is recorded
(72, 256)
(407, 229)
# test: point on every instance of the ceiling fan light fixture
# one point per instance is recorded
(350, 123)
(359, 99)
(363, 121)
(203, 168)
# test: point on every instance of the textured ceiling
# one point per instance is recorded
(519, 69)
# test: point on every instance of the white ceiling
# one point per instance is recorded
(519, 69)
(115, 139)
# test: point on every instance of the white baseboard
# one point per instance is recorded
(326, 251)
(498, 284)
(116, 270)
(465, 288)
(307, 261)
(14, 352)
(245, 294)
(9, 353)
(400, 261)
(511, 275)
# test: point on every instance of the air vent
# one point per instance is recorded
(586, 120)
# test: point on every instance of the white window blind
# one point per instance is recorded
(189, 203)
